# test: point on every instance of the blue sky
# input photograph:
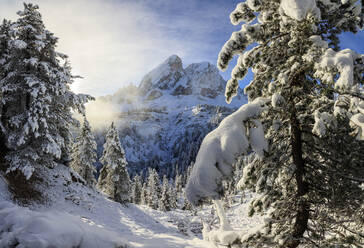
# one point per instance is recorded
(112, 43)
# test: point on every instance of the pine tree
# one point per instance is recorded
(164, 202)
(84, 154)
(36, 97)
(153, 189)
(136, 190)
(312, 174)
(186, 204)
(5, 37)
(114, 179)
(178, 183)
(143, 195)
(173, 197)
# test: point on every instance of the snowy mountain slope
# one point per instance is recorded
(163, 121)
(77, 216)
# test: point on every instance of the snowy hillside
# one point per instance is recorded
(163, 121)
(78, 216)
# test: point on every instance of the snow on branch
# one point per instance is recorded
(242, 13)
(237, 43)
(300, 9)
(220, 148)
(343, 62)
(339, 68)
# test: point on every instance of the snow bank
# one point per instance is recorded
(224, 238)
(219, 149)
(22, 227)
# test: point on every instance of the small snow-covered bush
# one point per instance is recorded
(21, 227)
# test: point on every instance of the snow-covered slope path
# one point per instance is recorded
(80, 216)
(140, 225)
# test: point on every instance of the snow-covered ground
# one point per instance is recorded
(79, 216)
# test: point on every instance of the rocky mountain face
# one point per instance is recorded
(200, 79)
(163, 121)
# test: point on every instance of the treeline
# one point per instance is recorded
(114, 180)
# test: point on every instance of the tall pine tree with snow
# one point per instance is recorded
(84, 154)
(5, 37)
(114, 179)
(311, 177)
(36, 98)
(164, 201)
(143, 195)
(173, 197)
(136, 190)
(153, 190)
(187, 204)
(178, 183)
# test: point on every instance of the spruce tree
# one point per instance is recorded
(178, 183)
(143, 195)
(84, 154)
(36, 97)
(173, 197)
(153, 189)
(5, 37)
(114, 179)
(186, 204)
(164, 201)
(136, 190)
(310, 180)
(188, 173)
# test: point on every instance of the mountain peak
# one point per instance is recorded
(164, 76)
(173, 63)
(200, 79)
(173, 60)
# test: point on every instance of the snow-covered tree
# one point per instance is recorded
(188, 173)
(84, 154)
(178, 183)
(136, 190)
(5, 37)
(114, 178)
(36, 97)
(187, 204)
(164, 201)
(173, 197)
(143, 195)
(153, 189)
(309, 95)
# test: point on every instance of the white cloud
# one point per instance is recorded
(112, 43)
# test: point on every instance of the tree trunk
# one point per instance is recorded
(302, 215)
